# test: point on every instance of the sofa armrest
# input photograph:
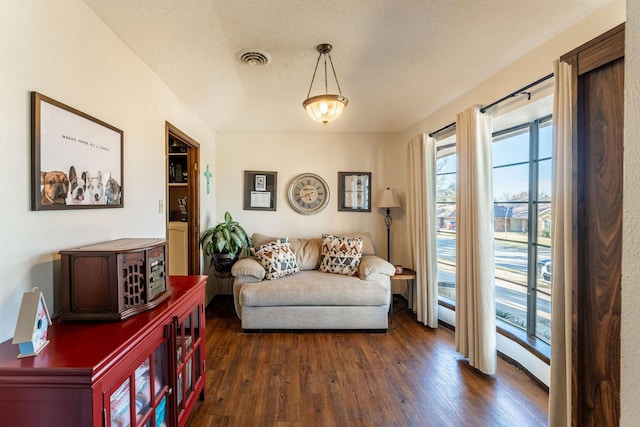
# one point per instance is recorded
(249, 266)
(245, 270)
(373, 265)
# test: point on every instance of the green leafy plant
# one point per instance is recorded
(224, 242)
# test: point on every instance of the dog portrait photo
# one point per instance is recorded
(112, 191)
(77, 187)
(77, 159)
(55, 187)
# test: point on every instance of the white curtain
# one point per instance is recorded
(475, 275)
(421, 213)
(561, 249)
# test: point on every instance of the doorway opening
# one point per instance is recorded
(183, 203)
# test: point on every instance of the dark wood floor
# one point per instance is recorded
(408, 376)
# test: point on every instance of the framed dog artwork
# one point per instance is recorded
(76, 159)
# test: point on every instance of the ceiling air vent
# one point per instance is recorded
(254, 57)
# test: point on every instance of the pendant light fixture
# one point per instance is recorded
(325, 108)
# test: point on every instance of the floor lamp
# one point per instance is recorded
(388, 200)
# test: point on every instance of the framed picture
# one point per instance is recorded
(261, 183)
(354, 191)
(260, 190)
(76, 159)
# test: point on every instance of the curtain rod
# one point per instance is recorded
(435, 132)
(493, 104)
(517, 92)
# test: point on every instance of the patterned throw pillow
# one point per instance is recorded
(340, 255)
(277, 258)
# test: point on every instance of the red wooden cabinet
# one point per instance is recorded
(141, 371)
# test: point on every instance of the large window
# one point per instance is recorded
(522, 222)
(522, 225)
(446, 219)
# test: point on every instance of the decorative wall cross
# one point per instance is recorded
(208, 175)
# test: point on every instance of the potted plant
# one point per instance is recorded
(224, 243)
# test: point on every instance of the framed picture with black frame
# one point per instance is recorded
(260, 190)
(354, 191)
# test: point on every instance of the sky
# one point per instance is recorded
(514, 179)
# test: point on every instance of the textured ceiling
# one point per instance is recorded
(397, 60)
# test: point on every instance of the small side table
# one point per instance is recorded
(410, 276)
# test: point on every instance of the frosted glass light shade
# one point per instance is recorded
(325, 108)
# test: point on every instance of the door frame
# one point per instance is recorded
(193, 193)
(597, 91)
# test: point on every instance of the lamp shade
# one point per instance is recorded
(325, 108)
(388, 199)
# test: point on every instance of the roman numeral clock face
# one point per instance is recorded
(308, 193)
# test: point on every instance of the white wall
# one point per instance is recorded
(290, 154)
(62, 50)
(630, 385)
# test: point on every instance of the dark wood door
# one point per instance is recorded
(598, 141)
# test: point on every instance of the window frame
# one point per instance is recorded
(525, 336)
(445, 147)
(533, 244)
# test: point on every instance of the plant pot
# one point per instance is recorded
(223, 262)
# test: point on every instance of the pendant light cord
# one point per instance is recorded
(335, 76)
(314, 75)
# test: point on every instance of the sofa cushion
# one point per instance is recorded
(261, 239)
(340, 255)
(308, 250)
(277, 258)
(314, 288)
(367, 242)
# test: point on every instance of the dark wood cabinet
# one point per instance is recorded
(143, 371)
(113, 280)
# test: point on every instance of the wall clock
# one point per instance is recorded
(308, 193)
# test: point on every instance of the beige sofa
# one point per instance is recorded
(312, 299)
